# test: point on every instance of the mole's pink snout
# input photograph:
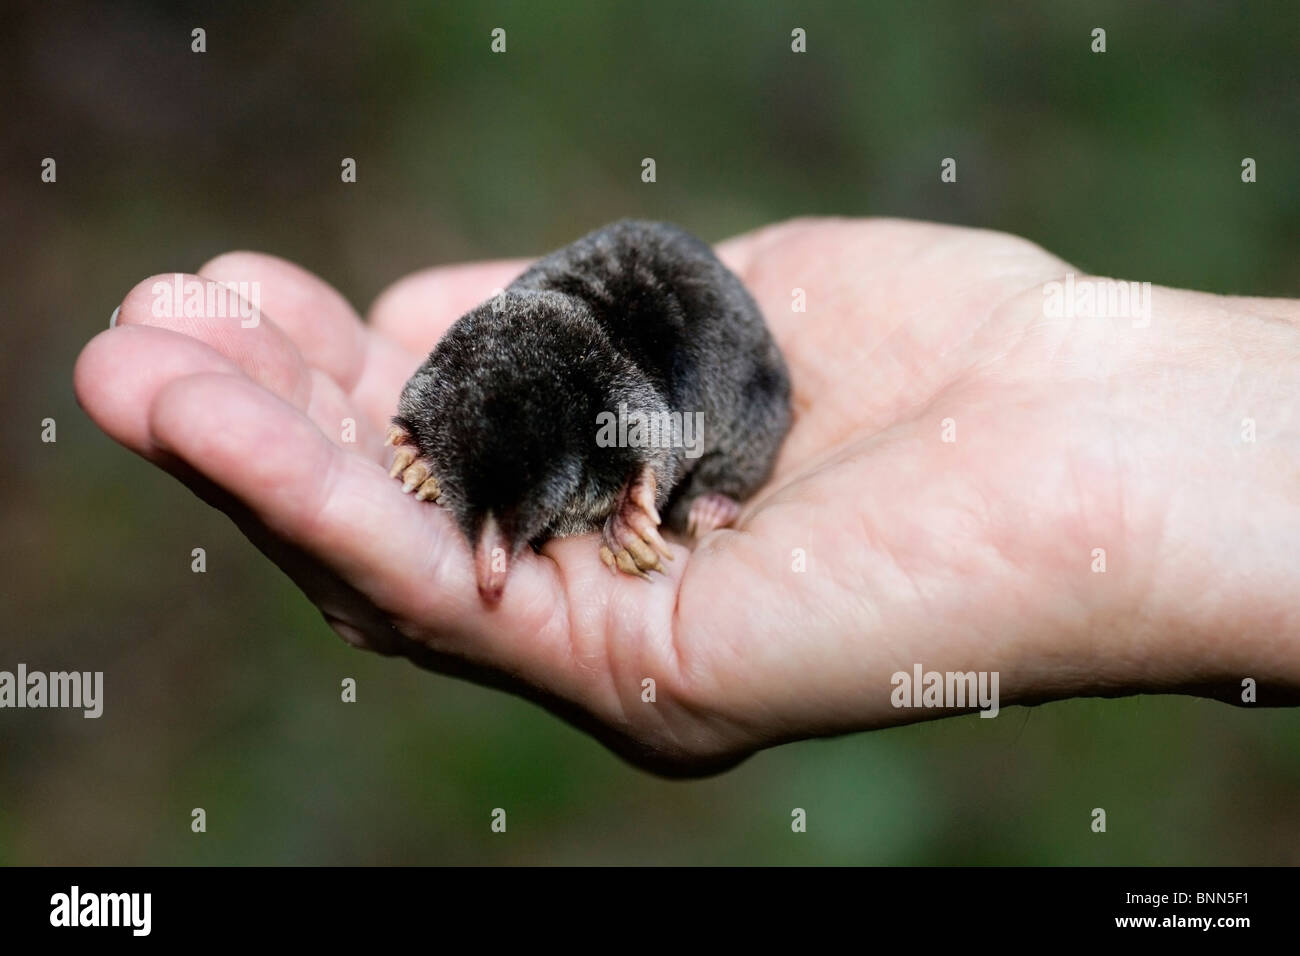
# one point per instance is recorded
(491, 560)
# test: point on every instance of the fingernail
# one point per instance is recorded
(112, 323)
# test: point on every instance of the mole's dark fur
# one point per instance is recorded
(639, 314)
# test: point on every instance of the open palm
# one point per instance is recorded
(955, 460)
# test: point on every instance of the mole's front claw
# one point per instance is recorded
(414, 476)
(413, 471)
(402, 460)
(428, 489)
(633, 544)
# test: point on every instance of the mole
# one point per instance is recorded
(621, 382)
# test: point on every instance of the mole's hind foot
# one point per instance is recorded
(414, 471)
(632, 541)
(710, 512)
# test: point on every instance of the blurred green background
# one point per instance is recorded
(223, 689)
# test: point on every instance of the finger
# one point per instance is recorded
(120, 371)
(227, 323)
(270, 458)
(346, 513)
(388, 366)
(740, 252)
(737, 252)
(324, 328)
(416, 310)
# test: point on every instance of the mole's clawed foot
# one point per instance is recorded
(414, 471)
(632, 541)
(710, 512)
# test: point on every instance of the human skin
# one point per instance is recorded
(978, 553)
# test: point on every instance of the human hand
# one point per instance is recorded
(971, 554)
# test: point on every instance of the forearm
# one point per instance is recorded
(1201, 583)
